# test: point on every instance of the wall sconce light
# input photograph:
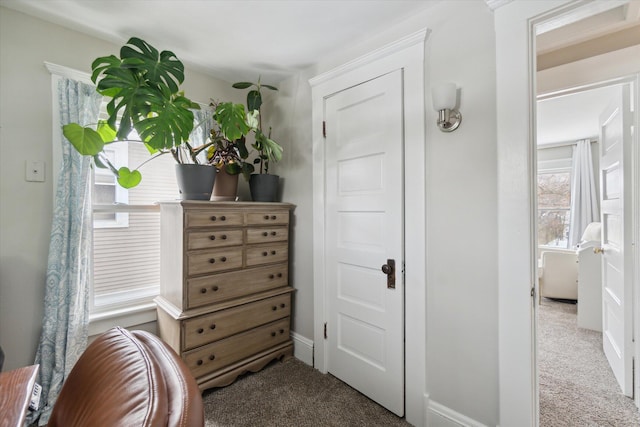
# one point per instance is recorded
(444, 102)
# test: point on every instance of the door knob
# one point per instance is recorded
(598, 250)
(390, 270)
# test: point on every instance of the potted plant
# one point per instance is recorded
(228, 150)
(263, 186)
(143, 85)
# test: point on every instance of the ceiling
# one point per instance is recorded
(230, 39)
(598, 28)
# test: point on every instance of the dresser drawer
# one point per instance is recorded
(211, 218)
(214, 238)
(266, 254)
(268, 217)
(214, 260)
(219, 354)
(266, 235)
(221, 324)
(225, 286)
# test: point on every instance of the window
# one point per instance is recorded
(126, 259)
(106, 190)
(554, 205)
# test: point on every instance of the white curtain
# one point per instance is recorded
(584, 201)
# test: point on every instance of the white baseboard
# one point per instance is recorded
(438, 415)
(302, 348)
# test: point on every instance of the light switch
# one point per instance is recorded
(34, 171)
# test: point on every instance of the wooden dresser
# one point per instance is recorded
(225, 303)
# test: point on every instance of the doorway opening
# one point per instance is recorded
(570, 107)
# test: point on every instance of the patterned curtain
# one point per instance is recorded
(66, 314)
(202, 124)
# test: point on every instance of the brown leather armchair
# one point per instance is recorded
(128, 378)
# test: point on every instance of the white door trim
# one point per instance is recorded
(406, 54)
(515, 62)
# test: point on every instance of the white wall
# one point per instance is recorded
(462, 295)
(25, 134)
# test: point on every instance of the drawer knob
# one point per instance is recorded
(279, 274)
(223, 218)
(224, 237)
(212, 237)
(215, 288)
(264, 254)
(265, 234)
(212, 260)
(271, 276)
(200, 330)
(213, 218)
(273, 334)
(274, 308)
(282, 331)
(213, 326)
(273, 252)
(266, 217)
(199, 362)
(283, 305)
(203, 290)
(273, 217)
(273, 233)
(223, 259)
(212, 357)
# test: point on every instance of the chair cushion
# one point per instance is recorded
(128, 379)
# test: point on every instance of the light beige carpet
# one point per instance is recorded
(577, 386)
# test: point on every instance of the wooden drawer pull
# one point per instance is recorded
(279, 274)
(273, 217)
(273, 334)
(213, 326)
(273, 233)
(212, 357)
(214, 218)
(214, 288)
(223, 259)
(212, 260)
(273, 252)
(264, 254)
(199, 362)
(265, 234)
(283, 305)
(274, 308)
(212, 237)
(266, 217)
(271, 276)
(200, 330)
(203, 290)
(282, 331)
(224, 237)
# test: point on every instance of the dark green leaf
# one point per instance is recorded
(270, 87)
(242, 85)
(254, 100)
(233, 168)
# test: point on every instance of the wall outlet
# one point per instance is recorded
(34, 171)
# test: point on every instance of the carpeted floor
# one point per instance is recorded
(292, 393)
(577, 386)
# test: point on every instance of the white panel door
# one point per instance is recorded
(364, 228)
(615, 143)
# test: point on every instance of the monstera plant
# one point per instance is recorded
(143, 85)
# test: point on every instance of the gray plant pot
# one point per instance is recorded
(264, 187)
(195, 182)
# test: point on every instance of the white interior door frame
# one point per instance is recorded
(516, 99)
(406, 54)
